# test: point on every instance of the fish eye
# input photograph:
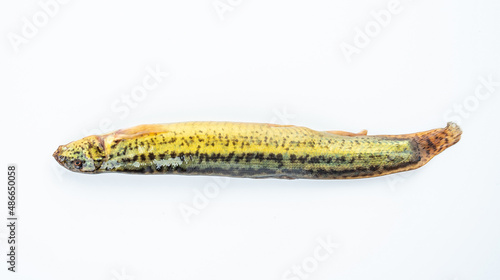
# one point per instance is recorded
(78, 164)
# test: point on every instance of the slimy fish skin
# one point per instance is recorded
(253, 150)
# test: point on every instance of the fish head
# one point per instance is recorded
(84, 155)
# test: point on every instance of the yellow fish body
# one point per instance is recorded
(253, 150)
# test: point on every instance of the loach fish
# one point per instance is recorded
(253, 150)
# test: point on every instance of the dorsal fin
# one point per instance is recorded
(280, 125)
(363, 132)
(140, 130)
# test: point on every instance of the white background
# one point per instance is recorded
(257, 61)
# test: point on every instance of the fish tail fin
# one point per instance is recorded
(433, 142)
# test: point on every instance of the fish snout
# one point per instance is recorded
(57, 155)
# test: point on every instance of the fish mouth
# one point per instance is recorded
(60, 159)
